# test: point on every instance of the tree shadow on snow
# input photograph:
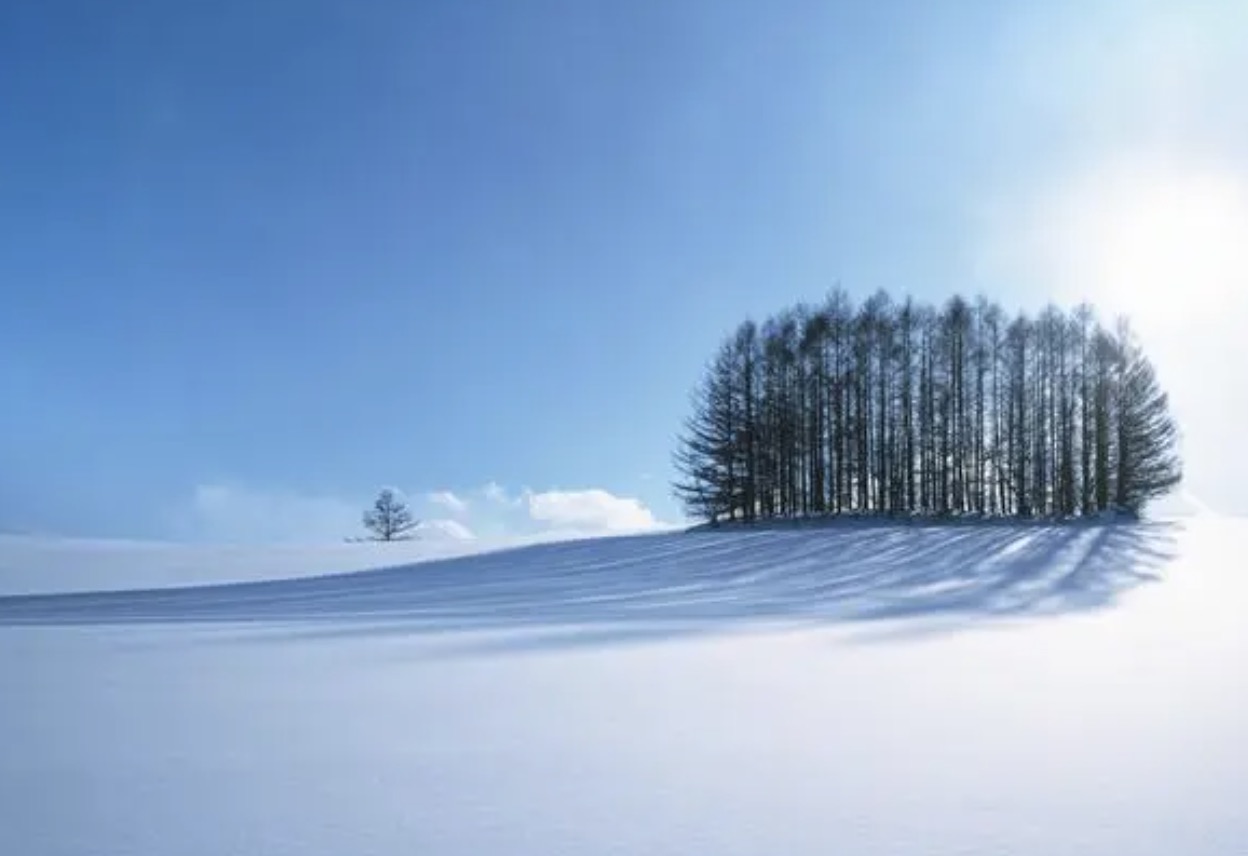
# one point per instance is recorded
(622, 590)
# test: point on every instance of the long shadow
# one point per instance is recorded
(644, 587)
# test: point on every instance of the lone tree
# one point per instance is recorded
(389, 519)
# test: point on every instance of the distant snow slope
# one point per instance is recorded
(857, 689)
(32, 564)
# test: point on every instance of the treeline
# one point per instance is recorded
(901, 408)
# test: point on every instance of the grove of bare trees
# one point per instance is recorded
(899, 408)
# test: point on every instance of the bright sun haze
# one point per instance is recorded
(1160, 241)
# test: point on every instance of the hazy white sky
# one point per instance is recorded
(1149, 213)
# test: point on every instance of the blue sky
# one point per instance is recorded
(262, 257)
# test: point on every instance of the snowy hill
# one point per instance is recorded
(1021, 689)
(31, 565)
(855, 570)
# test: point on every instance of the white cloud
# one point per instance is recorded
(449, 529)
(593, 510)
(495, 510)
(232, 513)
(497, 494)
(448, 500)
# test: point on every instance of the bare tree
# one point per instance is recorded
(708, 452)
(389, 519)
(1148, 465)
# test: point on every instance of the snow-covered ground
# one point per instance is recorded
(860, 689)
(35, 565)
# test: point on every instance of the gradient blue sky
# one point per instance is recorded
(261, 257)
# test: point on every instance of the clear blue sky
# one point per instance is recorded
(307, 248)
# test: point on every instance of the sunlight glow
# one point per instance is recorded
(1162, 239)
(1165, 246)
